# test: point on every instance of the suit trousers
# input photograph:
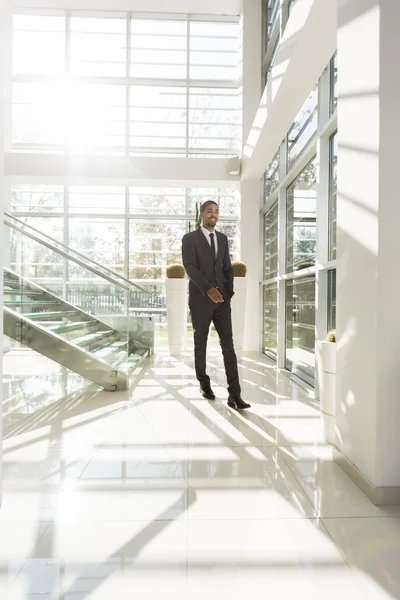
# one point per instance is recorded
(204, 311)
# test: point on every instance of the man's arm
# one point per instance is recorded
(189, 262)
(227, 266)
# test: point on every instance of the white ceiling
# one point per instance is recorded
(195, 7)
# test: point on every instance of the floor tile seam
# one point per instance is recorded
(299, 483)
(32, 550)
(341, 552)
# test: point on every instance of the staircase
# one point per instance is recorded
(90, 345)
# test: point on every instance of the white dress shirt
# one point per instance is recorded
(207, 236)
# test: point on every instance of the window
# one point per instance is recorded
(271, 319)
(171, 90)
(272, 176)
(214, 50)
(153, 244)
(88, 199)
(304, 127)
(273, 13)
(144, 201)
(332, 299)
(333, 90)
(332, 197)
(37, 198)
(158, 49)
(300, 327)
(271, 243)
(301, 220)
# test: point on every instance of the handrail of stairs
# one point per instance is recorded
(71, 254)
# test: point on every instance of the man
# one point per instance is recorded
(205, 256)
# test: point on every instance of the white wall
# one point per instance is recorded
(368, 241)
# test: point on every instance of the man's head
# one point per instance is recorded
(209, 212)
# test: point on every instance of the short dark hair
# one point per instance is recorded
(206, 203)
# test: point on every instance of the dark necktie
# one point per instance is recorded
(212, 244)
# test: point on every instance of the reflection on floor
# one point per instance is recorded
(158, 493)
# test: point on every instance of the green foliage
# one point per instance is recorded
(175, 272)
(239, 269)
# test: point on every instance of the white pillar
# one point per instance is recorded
(4, 13)
(250, 252)
(368, 245)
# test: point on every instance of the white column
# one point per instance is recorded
(4, 12)
(249, 224)
(368, 283)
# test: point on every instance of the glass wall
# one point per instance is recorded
(270, 306)
(300, 327)
(125, 85)
(271, 243)
(135, 231)
(304, 127)
(332, 196)
(299, 208)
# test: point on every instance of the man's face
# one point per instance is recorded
(210, 216)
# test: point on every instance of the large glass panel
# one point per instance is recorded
(300, 327)
(332, 197)
(38, 45)
(272, 176)
(37, 198)
(304, 127)
(332, 300)
(334, 93)
(153, 245)
(271, 319)
(170, 201)
(227, 201)
(229, 228)
(102, 239)
(98, 117)
(98, 46)
(273, 13)
(301, 219)
(89, 199)
(32, 259)
(158, 49)
(214, 51)
(290, 5)
(271, 243)
(38, 113)
(157, 118)
(213, 119)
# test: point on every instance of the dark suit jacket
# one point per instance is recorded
(199, 263)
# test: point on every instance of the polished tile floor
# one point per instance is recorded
(157, 493)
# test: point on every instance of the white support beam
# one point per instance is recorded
(308, 43)
(205, 7)
(151, 171)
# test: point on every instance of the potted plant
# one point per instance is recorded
(176, 292)
(327, 381)
(238, 303)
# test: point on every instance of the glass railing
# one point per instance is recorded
(75, 277)
(77, 314)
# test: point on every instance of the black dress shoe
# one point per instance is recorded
(237, 403)
(207, 392)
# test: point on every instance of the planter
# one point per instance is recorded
(327, 388)
(176, 297)
(238, 306)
